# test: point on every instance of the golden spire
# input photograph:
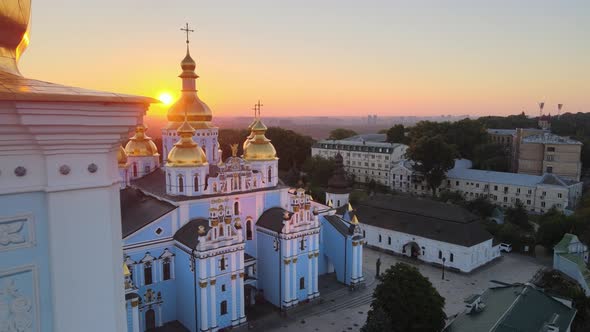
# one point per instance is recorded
(355, 220)
(15, 17)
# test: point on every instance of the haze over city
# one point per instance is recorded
(332, 58)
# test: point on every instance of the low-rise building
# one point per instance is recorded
(538, 193)
(514, 307)
(365, 157)
(570, 256)
(427, 230)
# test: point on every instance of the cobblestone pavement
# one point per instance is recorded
(343, 310)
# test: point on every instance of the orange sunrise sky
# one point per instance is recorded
(347, 58)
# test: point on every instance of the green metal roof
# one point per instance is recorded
(521, 308)
(563, 245)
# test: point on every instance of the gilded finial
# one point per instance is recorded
(234, 150)
(257, 108)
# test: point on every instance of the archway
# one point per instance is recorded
(412, 249)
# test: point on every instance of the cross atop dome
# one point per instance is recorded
(187, 30)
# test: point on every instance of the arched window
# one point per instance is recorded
(389, 240)
(269, 174)
(301, 283)
(134, 169)
(196, 184)
(180, 184)
(221, 230)
(236, 208)
(249, 229)
(440, 254)
(222, 263)
(147, 273)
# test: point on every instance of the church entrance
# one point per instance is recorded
(412, 249)
(150, 319)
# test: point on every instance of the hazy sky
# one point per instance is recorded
(325, 57)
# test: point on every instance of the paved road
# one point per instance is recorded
(342, 310)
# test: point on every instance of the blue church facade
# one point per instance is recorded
(204, 238)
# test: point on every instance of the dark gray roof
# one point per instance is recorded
(425, 218)
(187, 234)
(272, 219)
(155, 183)
(138, 210)
(342, 227)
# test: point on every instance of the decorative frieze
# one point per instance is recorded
(16, 232)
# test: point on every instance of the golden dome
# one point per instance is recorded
(186, 153)
(140, 144)
(122, 157)
(259, 147)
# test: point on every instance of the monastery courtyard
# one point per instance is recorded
(342, 310)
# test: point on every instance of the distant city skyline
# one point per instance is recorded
(331, 58)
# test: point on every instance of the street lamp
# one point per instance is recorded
(444, 259)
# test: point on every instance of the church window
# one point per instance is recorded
(440, 254)
(389, 240)
(134, 169)
(379, 237)
(196, 184)
(302, 244)
(221, 230)
(223, 308)
(236, 208)
(249, 229)
(269, 174)
(223, 288)
(222, 263)
(169, 182)
(452, 258)
(166, 269)
(301, 283)
(147, 273)
(180, 184)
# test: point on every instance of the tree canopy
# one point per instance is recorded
(434, 157)
(403, 301)
(341, 133)
(396, 134)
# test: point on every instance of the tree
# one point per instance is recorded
(491, 156)
(318, 171)
(517, 215)
(405, 301)
(341, 133)
(433, 159)
(396, 134)
(481, 206)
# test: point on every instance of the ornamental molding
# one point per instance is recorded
(202, 284)
(17, 232)
(19, 308)
(233, 277)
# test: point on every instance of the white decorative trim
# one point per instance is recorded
(11, 235)
(25, 324)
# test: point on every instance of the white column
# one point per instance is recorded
(309, 281)
(135, 315)
(359, 265)
(287, 278)
(234, 299)
(213, 303)
(203, 287)
(353, 267)
(294, 281)
(159, 321)
(241, 286)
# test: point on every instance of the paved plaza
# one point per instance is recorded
(343, 310)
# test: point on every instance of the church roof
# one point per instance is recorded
(17, 88)
(272, 219)
(188, 234)
(422, 217)
(138, 210)
(339, 224)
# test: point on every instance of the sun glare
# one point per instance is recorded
(166, 98)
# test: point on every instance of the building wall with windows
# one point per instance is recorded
(464, 259)
(537, 193)
(364, 160)
(548, 153)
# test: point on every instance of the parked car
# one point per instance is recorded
(505, 247)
